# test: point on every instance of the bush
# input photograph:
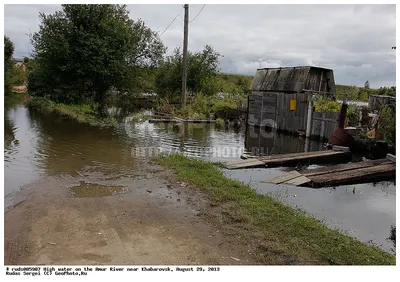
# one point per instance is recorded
(387, 123)
(353, 115)
(41, 104)
(323, 104)
(198, 109)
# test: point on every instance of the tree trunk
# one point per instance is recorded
(101, 101)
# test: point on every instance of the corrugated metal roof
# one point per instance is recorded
(289, 79)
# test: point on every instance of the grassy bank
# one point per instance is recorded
(83, 113)
(277, 233)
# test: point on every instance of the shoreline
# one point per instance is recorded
(290, 233)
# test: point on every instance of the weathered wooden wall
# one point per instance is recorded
(376, 101)
(324, 124)
(272, 109)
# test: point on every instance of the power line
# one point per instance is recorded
(198, 13)
(171, 22)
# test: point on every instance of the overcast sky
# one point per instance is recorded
(353, 40)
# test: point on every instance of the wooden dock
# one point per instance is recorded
(182, 120)
(341, 174)
(337, 154)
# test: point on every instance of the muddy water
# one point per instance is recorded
(38, 145)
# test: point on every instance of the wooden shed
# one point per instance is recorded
(376, 101)
(279, 98)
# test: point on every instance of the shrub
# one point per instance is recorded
(387, 123)
(41, 104)
(323, 104)
(353, 115)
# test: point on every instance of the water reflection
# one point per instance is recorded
(261, 141)
(9, 133)
(66, 146)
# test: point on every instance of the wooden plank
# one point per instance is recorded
(350, 176)
(284, 177)
(284, 158)
(391, 157)
(342, 167)
(290, 155)
(300, 157)
(340, 148)
(182, 121)
(301, 180)
(244, 164)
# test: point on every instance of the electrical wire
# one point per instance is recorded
(171, 22)
(198, 13)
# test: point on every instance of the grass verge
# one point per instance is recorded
(279, 234)
(83, 113)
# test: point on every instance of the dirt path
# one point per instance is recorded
(155, 222)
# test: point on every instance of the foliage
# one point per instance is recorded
(387, 91)
(202, 68)
(8, 65)
(219, 122)
(323, 104)
(224, 106)
(41, 104)
(278, 231)
(352, 115)
(355, 93)
(387, 122)
(163, 105)
(366, 85)
(198, 109)
(84, 50)
(233, 83)
(16, 76)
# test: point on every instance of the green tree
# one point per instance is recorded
(84, 51)
(201, 73)
(366, 85)
(8, 65)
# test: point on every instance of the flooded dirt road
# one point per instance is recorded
(153, 221)
(45, 156)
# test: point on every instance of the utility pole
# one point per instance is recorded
(185, 48)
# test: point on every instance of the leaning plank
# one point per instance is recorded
(309, 157)
(301, 180)
(244, 164)
(391, 157)
(284, 177)
(340, 148)
(350, 176)
(343, 167)
(181, 121)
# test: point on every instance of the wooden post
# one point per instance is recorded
(185, 48)
(343, 113)
(322, 132)
(309, 116)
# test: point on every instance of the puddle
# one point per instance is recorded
(93, 190)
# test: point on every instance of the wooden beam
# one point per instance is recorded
(350, 176)
(391, 157)
(284, 177)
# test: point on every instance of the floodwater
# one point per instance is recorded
(37, 145)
